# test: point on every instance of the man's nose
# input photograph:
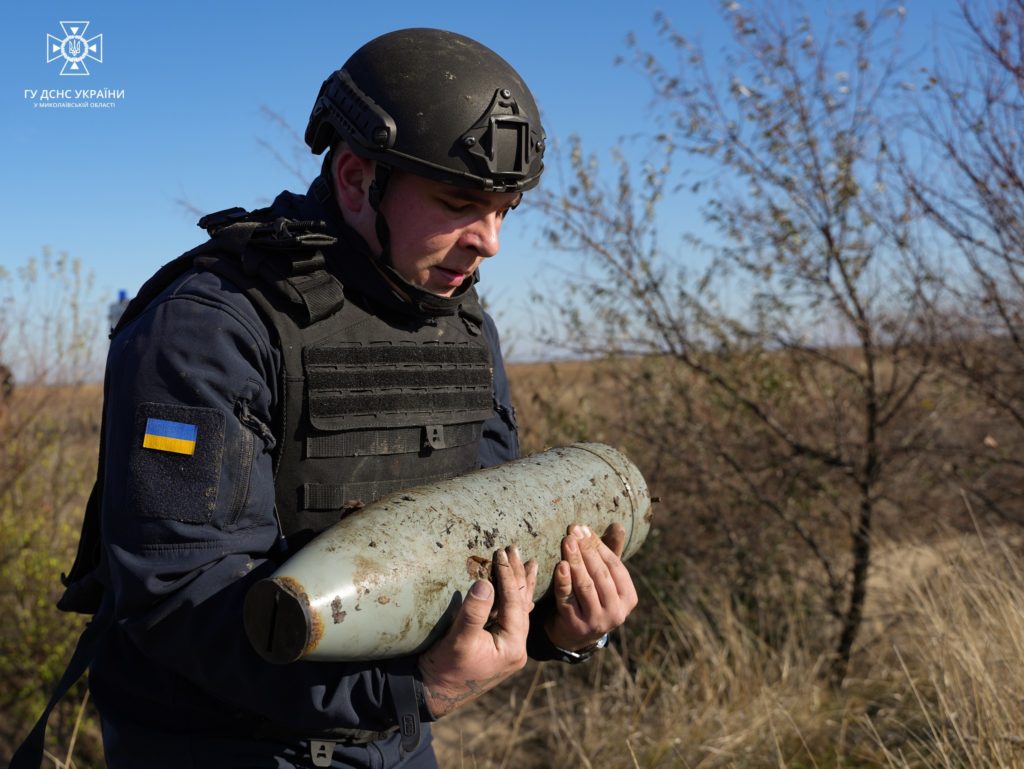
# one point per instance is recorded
(482, 235)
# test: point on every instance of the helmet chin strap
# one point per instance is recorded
(378, 187)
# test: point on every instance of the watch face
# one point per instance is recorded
(585, 653)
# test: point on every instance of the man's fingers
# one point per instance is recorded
(584, 592)
(605, 568)
(513, 601)
(561, 583)
(614, 537)
(621, 582)
(476, 609)
(531, 582)
(600, 579)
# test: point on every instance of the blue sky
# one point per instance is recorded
(103, 184)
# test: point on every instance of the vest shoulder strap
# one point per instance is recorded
(282, 257)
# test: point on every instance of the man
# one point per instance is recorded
(310, 358)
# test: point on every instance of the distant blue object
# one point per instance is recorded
(117, 308)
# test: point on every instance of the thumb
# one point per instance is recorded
(476, 609)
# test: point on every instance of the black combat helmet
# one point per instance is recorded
(435, 104)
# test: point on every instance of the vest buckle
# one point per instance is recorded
(218, 219)
(434, 437)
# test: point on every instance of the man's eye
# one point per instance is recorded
(455, 207)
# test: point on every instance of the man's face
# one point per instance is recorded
(439, 233)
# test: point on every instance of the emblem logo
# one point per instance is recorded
(75, 48)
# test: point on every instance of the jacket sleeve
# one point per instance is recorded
(188, 517)
(500, 442)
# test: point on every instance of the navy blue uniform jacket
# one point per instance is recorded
(176, 680)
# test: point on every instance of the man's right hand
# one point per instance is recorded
(475, 655)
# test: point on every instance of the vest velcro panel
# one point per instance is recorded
(381, 379)
(403, 385)
(403, 440)
(401, 354)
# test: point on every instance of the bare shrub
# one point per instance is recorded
(778, 385)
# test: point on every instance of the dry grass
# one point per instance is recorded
(937, 678)
(48, 445)
(961, 649)
(939, 683)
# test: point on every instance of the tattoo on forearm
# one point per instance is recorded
(450, 699)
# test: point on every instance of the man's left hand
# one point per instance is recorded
(592, 588)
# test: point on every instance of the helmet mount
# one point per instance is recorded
(502, 139)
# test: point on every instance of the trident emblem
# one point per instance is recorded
(74, 48)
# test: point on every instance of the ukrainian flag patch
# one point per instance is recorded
(165, 435)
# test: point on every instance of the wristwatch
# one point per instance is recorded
(584, 654)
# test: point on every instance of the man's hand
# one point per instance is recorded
(592, 589)
(476, 655)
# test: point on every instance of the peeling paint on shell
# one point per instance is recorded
(337, 613)
(478, 567)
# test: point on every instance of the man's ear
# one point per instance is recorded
(352, 178)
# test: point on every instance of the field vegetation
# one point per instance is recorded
(725, 663)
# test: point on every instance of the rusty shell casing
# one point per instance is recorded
(387, 581)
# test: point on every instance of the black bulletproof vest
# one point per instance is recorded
(371, 400)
